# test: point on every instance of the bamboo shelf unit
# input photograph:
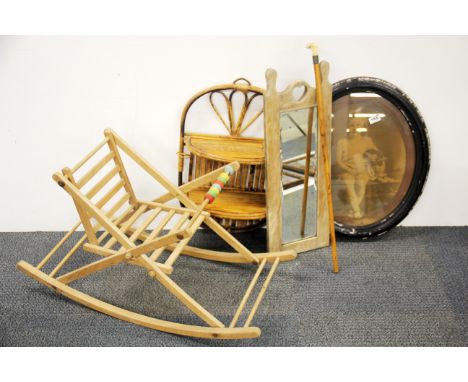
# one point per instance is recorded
(244, 202)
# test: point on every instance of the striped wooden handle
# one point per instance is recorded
(219, 184)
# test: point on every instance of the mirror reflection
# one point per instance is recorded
(299, 187)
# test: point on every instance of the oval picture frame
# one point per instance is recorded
(361, 213)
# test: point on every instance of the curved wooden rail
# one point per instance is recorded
(136, 318)
(235, 258)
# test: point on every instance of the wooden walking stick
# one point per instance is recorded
(324, 146)
(306, 173)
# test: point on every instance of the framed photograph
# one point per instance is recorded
(380, 156)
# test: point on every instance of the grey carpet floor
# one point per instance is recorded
(406, 288)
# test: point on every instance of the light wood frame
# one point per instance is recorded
(137, 246)
(275, 103)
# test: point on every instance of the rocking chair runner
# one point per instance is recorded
(122, 231)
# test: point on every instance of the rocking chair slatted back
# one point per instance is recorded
(105, 186)
(87, 210)
(99, 175)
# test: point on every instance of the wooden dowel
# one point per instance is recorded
(92, 268)
(84, 215)
(95, 212)
(262, 292)
(123, 215)
(117, 205)
(199, 211)
(154, 256)
(88, 156)
(159, 242)
(299, 157)
(165, 207)
(151, 216)
(141, 209)
(75, 247)
(231, 240)
(98, 250)
(160, 226)
(67, 256)
(298, 169)
(293, 175)
(116, 222)
(247, 293)
(108, 196)
(94, 170)
(105, 179)
(145, 165)
(118, 161)
(163, 267)
(235, 257)
(181, 295)
(57, 246)
(180, 246)
(126, 225)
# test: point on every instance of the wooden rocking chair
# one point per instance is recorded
(125, 240)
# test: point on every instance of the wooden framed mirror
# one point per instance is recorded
(297, 215)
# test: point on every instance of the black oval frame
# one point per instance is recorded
(421, 144)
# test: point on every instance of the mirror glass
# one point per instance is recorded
(299, 186)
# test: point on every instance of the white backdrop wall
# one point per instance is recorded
(57, 94)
